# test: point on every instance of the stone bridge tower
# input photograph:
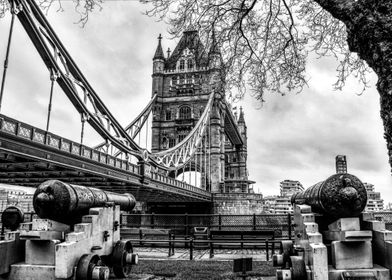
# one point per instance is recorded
(183, 80)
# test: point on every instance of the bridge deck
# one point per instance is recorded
(29, 156)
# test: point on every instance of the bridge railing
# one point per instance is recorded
(179, 184)
(28, 133)
(53, 141)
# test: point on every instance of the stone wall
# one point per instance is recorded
(237, 203)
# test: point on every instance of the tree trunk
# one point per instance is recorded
(369, 33)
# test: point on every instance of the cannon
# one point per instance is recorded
(77, 235)
(339, 196)
(333, 238)
(67, 203)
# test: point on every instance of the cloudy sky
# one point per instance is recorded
(296, 136)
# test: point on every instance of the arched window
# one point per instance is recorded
(189, 64)
(182, 64)
(185, 113)
(174, 80)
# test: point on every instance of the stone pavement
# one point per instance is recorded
(199, 254)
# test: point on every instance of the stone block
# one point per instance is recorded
(348, 236)
(50, 225)
(385, 235)
(382, 252)
(351, 255)
(311, 227)
(83, 227)
(75, 236)
(11, 251)
(367, 216)
(318, 261)
(31, 272)
(373, 225)
(315, 237)
(380, 272)
(42, 235)
(344, 224)
(40, 252)
(302, 208)
(306, 218)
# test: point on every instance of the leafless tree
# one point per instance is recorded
(265, 43)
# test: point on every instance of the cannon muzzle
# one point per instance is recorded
(341, 195)
(66, 203)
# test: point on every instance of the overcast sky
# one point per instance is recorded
(295, 137)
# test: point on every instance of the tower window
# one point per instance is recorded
(189, 64)
(168, 115)
(182, 64)
(172, 142)
(181, 137)
(185, 112)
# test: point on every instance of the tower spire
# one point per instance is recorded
(159, 52)
(241, 118)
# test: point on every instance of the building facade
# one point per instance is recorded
(183, 81)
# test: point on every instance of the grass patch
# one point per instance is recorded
(191, 270)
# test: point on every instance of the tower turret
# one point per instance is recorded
(158, 66)
(242, 126)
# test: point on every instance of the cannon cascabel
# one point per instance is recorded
(66, 203)
(341, 195)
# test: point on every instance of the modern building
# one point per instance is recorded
(289, 187)
(341, 164)
(374, 202)
(281, 204)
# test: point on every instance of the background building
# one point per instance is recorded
(20, 198)
(341, 164)
(374, 202)
(289, 187)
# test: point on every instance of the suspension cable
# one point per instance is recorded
(53, 78)
(205, 162)
(7, 52)
(82, 131)
(146, 132)
(209, 150)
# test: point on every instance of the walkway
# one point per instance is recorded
(199, 254)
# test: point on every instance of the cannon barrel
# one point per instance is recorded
(341, 195)
(66, 203)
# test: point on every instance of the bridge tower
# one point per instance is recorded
(183, 81)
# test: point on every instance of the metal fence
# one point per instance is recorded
(183, 224)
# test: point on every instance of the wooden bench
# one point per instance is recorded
(230, 238)
(144, 234)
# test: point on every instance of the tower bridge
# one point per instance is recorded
(193, 128)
